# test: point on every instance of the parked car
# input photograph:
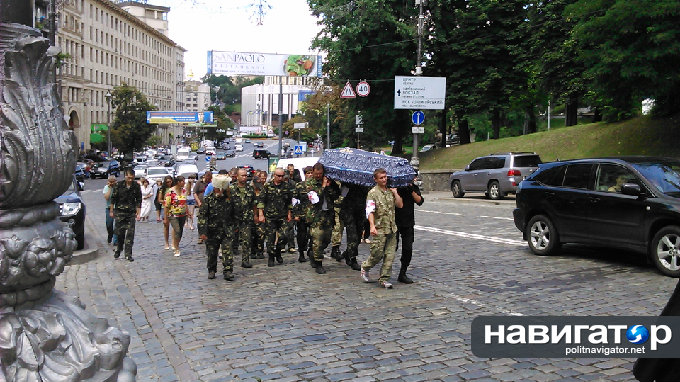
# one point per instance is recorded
(160, 172)
(497, 174)
(426, 148)
(200, 150)
(230, 153)
(140, 171)
(79, 173)
(221, 155)
(625, 202)
(238, 147)
(72, 211)
(261, 154)
(106, 168)
(186, 169)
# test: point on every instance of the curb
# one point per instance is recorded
(93, 243)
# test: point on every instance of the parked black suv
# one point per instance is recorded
(624, 202)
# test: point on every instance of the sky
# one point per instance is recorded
(231, 25)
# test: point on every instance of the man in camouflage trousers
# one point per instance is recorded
(258, 233)
(338, 227)
(243, 199)
(275, 204)
(321, 193)
(299, 212)
(380, 208)
(126, 204)
(216, 228)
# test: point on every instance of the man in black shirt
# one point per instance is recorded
(405, 221)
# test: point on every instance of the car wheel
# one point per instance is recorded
(494, 191)
(665, 251)
(542, 236)
(456, 189)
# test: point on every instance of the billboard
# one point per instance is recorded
(263, 64)
(179, 117)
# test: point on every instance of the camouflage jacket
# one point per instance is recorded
(244, 201)
(216, 216)
(276, 200)
(126, 200)
(300, 193)
(323, 209)
(383, 216)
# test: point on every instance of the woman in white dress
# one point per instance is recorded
(147, 200)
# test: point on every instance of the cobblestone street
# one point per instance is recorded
(288, 323)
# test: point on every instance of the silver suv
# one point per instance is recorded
(496, 174)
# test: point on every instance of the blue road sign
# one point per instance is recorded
(298, 150)
(418, 117)
(207, 158)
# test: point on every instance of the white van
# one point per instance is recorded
(182, 154)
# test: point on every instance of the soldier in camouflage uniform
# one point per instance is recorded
(299, 215)
(275, 203)
(380, 208)
(353, 217)
(126, 205)
(258, 233)
(216, 227)
(338, 227)
(244, 201)
(322, 193)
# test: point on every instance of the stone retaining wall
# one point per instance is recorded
(436, 180)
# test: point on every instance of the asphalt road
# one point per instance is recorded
(289, 324)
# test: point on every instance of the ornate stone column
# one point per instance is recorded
(45, 335)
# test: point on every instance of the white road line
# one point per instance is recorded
(471, 236)
(466, 300)
(439, 212)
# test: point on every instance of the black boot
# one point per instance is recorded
(270, 262)
(403, 278)
(279, 259)
(319, 268)
(354, 264)
(313, 263)
(335, 253)
(347, 257)
(302, 257)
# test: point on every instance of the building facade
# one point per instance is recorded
(260, 103)
(106, 44)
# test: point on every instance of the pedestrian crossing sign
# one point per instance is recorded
(298, 150)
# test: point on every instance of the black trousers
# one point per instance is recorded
(405, 234)
(302, 235)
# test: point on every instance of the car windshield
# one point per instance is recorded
(664, 175)
(157, 171)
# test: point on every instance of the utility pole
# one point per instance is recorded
(415, 162)
(280, 155)
(328, 125)
(108, 124)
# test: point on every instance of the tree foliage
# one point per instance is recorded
(130, 131)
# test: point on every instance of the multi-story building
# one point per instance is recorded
(107, 44)
(260, 103)
(196, 96)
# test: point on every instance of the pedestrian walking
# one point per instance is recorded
(353, 218)
(380, 204)
(293, 178)
(274, 207)
(147, 198)
(157, 203)
(300, 201)
(199, 189)
(322, 193)
(405, 219)
(215, 227)
(126, 205)
(191, 200)
(338, 227)
(111, 237)
(245, 207)
(258, 233)
(167, 185)
(176, 211)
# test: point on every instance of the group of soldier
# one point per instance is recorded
(239, 216)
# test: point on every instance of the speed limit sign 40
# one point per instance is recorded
(363, 89)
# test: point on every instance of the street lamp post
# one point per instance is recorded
(108, 124)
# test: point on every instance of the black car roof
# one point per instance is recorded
(620, 159)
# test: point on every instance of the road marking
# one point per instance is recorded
(465, 300)
(439, 212)
(471, 236)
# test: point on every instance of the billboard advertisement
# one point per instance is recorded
(263, 64)
(179, 117)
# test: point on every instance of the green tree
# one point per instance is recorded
(130, 131)
(154, 140)
(223, 123)
(227, 90)
(374, 40)
(631, 51)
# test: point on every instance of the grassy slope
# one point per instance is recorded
(640, 136)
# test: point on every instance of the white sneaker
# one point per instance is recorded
(364, 276)
(386, 284)
(177, 253)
